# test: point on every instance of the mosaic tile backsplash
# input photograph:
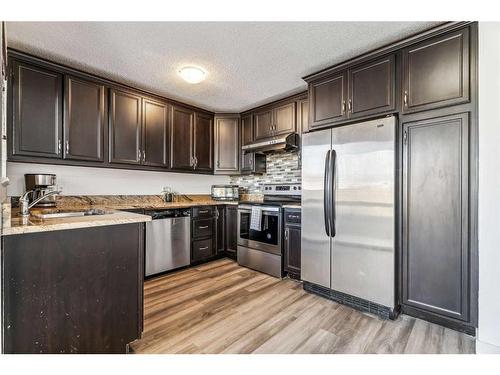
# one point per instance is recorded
(281, 167)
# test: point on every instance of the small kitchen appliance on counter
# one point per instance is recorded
(41, 185)
(225, 192)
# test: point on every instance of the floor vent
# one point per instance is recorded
(357, 303)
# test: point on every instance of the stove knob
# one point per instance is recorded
(295, 188)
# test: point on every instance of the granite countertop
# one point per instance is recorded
(21, 225)
(112, 204)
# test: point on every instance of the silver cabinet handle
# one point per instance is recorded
(58, 146)
(138, 155)
(67, 147)
(203, 227)
(349, 105)
(143, 155)
(203, 248)
(343, 106)
(204, 212)
(286, 233)
(405, 99)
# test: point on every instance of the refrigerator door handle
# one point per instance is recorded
(333, 162)
(326, 194)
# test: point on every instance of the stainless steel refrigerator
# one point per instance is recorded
(348, 211)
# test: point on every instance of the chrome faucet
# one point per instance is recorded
(25, 205)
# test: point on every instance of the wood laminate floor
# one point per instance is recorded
(220, 307)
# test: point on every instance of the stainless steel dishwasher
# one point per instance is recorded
(168, 240)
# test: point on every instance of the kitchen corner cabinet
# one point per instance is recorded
(227, 145)
(84, 119)
(125, 127)
(36, 111)
(65, 294)
(436, 72)
(436, 257)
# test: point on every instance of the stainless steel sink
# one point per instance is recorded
(56, 214)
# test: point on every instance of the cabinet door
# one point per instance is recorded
(263, 122)
(327, 100)
(292, 250)
(284, 119)
(155, 133)
(372, 87)
(302, 116)
(436, 72)
(227, 145)
(202, 250)
(203, 142)
(84, 120)
(231, 229)
(246, 130)
(125, 127)
(37, 104)
(181, 138)
(220, 230)
(435, 216)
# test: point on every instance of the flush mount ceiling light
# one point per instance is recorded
(192, 74)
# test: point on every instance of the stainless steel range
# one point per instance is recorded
(260, 228)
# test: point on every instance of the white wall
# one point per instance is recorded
(105, 181)
(488, 338)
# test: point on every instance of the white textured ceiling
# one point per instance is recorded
(248, 63)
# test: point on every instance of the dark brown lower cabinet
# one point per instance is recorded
(203, 233)
(231, 230)
(73, 291)
(292, 242)
(220, 224)
(436, 269)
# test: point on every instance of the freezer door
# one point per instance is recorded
(363, 247)
(315, 255)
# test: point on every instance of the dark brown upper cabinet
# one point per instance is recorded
(328, 100)
(191, 140)
(302, 115)
(84, 119)
(284, 119)
(155, 131)
(125, 127)
(263, 123)
(372, 88)
(247, 130)
(436, 72)
(203, 142)
(273, 121)
(181, 141)
(436, 251)
(227, 145)
(37, 115)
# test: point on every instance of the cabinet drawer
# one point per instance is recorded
(293, 216)
(203, 228)
(202, 249)
(202, 212)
